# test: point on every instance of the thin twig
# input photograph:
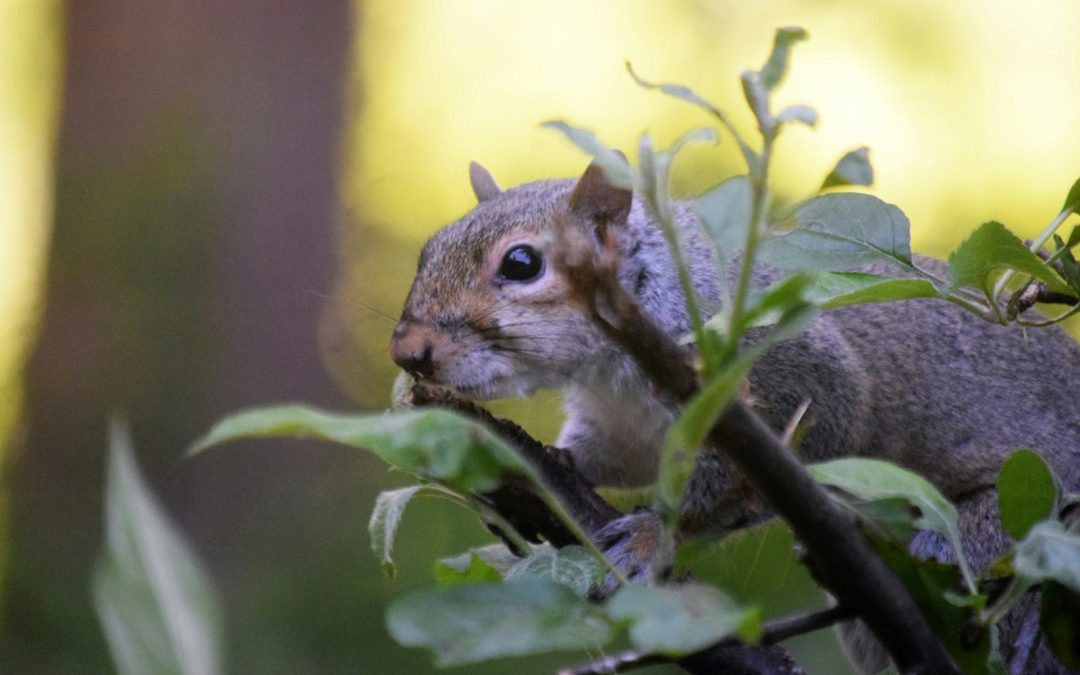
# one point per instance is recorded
(772, 633)
(623, 662)
(1034, 293)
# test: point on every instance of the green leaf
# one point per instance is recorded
(1049, 552)
(995, 662)
(753, 160)
(677, 90)
(614, 164)
(1074, 237)
(1070, 268)
(431, 443)
(496, 556)
(1028, 492)
(839, 289)
(853, 169)
(467, 568)
(477, 622)
(772, 74)
(679, 620)
(685, 436)
(572, 566)
(798, 113)
(700, 135)
(385, 518)
(988, 252)
(930, 584)
(1072, 201)
(725, 213)
(781, 305)
(159, 612)
(757, 97)
(656, 170)
(756, 565)
(775, 302)
(401, 391)
(872, 479)
(894, 518)
(840, 232)
(1060, 622)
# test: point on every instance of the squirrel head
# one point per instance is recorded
(488, 314)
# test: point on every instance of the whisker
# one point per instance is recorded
(355, 302)
(486, 312)
(371, 355)
(524, 324)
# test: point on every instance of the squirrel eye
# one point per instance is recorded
(521, 263)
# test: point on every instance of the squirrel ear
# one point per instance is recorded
(483, 185)
(598, 199)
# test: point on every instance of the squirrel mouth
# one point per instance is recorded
(476, 392)
(492, 389)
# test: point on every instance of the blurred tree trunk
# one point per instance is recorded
(194, 241)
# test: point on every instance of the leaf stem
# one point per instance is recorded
(1072, 311)
(1005, 602)
(656, 168)
(693, 309)
(980, 309)
(758, 184)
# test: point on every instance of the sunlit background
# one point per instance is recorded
(235, 194)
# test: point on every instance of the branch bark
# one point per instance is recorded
(1038, 292)
(514, 500)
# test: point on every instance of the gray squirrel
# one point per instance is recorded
(921, 383)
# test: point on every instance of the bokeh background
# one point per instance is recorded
(212, 204)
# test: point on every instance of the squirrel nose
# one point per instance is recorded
(412, 351)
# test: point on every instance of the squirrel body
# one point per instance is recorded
(921, 383)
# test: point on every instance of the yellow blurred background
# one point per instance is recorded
(968, 106)
(970, 109)
(29, 84)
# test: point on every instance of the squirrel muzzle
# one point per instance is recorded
(411, 348)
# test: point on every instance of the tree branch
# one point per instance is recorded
(514, 499)
(841, 558)
(516, 502)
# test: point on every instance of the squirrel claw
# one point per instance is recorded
(562, 456)
(636, 546)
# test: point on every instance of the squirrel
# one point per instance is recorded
(921, 383)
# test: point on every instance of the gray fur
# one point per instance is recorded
(483, 185)
(921, 383)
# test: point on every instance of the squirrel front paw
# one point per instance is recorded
(637, 546)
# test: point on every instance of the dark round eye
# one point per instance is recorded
(521, 263)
